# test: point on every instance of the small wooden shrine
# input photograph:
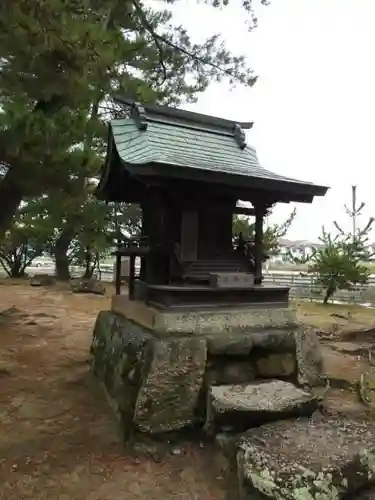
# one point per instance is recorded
(188, 171)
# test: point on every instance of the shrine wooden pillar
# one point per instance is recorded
(118, 274)
(260, 211)
(131, 276)
(156, 225)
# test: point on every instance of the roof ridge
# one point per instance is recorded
(183, 114)
(176, 117)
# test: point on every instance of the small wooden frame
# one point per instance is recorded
(132, 248)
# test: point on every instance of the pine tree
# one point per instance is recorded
(272, 233)
(58, 57)
(340, 262)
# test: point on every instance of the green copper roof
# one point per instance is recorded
(188, 147)
(156, 140)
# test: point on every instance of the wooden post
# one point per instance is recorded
(118, 274)
(131, 276)
(258, 243)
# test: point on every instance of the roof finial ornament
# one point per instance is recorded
(240, 136)
(138, 114)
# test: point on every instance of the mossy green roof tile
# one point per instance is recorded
(188, 147)
(161, 144)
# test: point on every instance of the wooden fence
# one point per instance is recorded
(302, 286)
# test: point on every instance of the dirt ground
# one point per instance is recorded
(58, 438)
(347, 337)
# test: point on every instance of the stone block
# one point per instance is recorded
(219, 321)
(42, 280)
(152, 384)
(239, 407)
(307, 459)
(310, 367)
(222, 370)
(259, 343)
(83, 285)
(169, 394)
(228, 280)
(277, 365)
(290, 352)
(120, 360)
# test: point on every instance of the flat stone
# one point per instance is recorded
(152, 384)
(306, 459)
(239, 407)
(205, 322)
(236, 320)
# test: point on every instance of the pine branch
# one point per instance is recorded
(155, 37)
(174, 46)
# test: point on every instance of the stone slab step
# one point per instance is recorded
(307, 459)
(240, 407)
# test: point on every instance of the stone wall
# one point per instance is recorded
(158, 384)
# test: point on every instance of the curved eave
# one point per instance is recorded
(290, 190)
(105, 172)
(122, 173)
(118, 182)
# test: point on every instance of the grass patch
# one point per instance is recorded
(335, 316)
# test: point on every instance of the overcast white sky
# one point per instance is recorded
(314, 103)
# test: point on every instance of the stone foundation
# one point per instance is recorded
(157, 378)
(245, 377)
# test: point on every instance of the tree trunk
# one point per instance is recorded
(329, 292)
(61, 255)
(17, 271)
(10, 198)
(89, 265)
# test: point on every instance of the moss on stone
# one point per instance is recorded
(315, 458)
(152, 384)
